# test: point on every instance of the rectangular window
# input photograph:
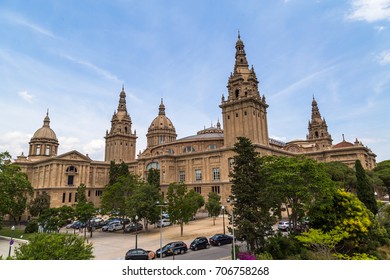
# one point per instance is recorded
(47, 150)
(63, 197)
(98, 193)
(182, 176)
(198, 175)
(70, 180)
(216, 174)
(38, 150)
(89, 193)
(198, 189)
(215, 189)
(70, 197)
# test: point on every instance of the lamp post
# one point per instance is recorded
(234, 242)
(161, 207)
(223, 218)
(136, 231)
(11, 242)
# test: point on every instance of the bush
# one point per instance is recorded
(246, 256)
(31, 227)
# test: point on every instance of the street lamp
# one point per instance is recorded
(233, 243)
(136, 232)
(161, 207)
(223, 218)
(11, 242)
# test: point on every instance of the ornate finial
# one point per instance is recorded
(343, 138)
(239, 37)
(47, 112)
(123, 87)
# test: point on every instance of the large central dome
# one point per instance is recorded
(45, 132)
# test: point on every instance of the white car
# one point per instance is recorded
(115, 226)
(284, 225)
(164, 223)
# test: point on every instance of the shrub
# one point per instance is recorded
(31, 227)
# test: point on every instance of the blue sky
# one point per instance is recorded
(72, 57)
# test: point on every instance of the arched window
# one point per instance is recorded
(237, 93)
(71, 169)
(188, 149)
(154, 165)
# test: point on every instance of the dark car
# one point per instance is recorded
(200, 243)
(220, 239)
(139, 254)
(133, 227)
(172, 248)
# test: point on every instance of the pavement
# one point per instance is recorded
(114, 245)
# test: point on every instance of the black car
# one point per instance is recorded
(139, 254)
(200, 243)
(220, 239)
(172, 248)
(133, 227)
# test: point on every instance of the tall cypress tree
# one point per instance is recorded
(364, 189)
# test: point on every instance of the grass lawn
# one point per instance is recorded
(18, 232)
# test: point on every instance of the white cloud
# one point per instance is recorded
(384, 57)
(14, 142)
(370, 10)
(94, 146)
(26, 96)
(380, 28)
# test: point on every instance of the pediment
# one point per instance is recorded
(74, 155)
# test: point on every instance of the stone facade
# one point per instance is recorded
(202, 161)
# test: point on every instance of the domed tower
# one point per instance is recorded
(120, 141)
(161, 130)
(44, 142)
(245, 111)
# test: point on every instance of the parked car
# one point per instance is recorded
(133, 227)
(220, 239)
(107, 225)
(172, 248)
(76, 225)
(200, 243)
(164, 223)
(115, 226)
(139, 254)
(284, 226)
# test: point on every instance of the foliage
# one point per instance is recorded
(340, 173)
(253, 205)
(44, 246)
(39, 204)
(31, 227)
(117, 171)
(364, 189)
(355, 256)
(154, 177)
(324, 244)
(143, 203)
(182, 204)
(246, 256)
(382, 170)
(213, 205)
(15, 189)
(53, 219)
(297, 182)
(282, 247)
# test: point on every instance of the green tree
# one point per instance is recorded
(154, 178)
(340, 173)
(117, 171)
(143, 203)
(297, 182)
(85, 210)
(364, 189)
(213, 205)
(39, 204)
(382, 170)
(15, 189)
(44, 246)
(253, 206)
(53, 219)
(182, 204)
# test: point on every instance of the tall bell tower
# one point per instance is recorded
(120, 140)
(244, 112)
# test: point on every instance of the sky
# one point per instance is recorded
(72, 58)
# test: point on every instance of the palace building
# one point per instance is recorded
(202, 161)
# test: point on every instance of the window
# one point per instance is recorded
(188, 149)
(71, 169)
(98, 193)
(63, 197)
(70, 197)
(47, 150)
(161, 139)
(70, 180)
(170, 151)
(198, 175)
(215, 189)
(154, 165)
(216, 174)
(198, 189)
(38, 150)
(182, 176)
(212, 146)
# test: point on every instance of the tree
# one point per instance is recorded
(117, 171)
(39, 204)
(297, 182)
(182, 204)
(154, 178)
(382, 170)
(43, 246)
(364, 189)
(340, 173)
(213, 205)
(253, 205)
(53, 219)
(15, 189)
(85, 210)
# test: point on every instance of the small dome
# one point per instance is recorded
(161, 121)
(343, 144)
(45, 132)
